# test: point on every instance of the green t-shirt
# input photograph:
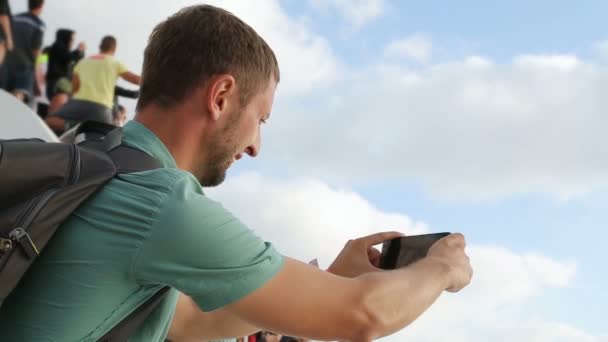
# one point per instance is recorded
(140, 232)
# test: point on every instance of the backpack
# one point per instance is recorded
(42, 183)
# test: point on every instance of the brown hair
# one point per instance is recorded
(197, 43)
(108, 43)
(34, 4)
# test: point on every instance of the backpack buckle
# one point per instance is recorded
(20, 236)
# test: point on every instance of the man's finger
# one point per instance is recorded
(374, 256)
(378, 238)
(456, 240)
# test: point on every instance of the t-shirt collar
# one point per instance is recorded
(139, 136)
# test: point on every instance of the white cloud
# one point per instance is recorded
(306, 212)
(357, 12)
(416, 47)
(478, 61)
(555, 332)
(471, 129)
(308, 219)
(560, 62)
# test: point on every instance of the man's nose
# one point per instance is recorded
(254, 148)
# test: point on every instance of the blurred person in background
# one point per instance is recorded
(17, 74)
(61, 59)
(93, 82)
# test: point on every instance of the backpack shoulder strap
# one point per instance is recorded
(128, 160)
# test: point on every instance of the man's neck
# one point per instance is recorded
(179, 135)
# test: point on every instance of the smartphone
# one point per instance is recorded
(402, 251)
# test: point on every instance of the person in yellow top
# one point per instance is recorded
(93, 84)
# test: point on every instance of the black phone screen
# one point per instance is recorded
(402, 251)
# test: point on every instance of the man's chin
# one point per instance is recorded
(214, 180)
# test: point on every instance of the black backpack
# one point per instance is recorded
(42, 183)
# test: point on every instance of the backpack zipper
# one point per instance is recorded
(75, 167)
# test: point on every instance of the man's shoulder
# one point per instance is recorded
(30, 20)
(137, 200)
(160, 188)
(162, 180)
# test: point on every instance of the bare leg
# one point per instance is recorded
(55, 123)
(2, 52)
(57, 101)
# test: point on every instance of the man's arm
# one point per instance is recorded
(190, 323)
(6, 25)
(75, 83)
(324, 306)
(122, 92)
(131, 77)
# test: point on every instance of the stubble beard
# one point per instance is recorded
(222, 150)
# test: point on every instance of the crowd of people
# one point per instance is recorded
(60, 82)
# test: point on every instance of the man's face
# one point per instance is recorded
(239, 133)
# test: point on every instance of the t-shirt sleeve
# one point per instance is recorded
(37, 39)
(201, 249)
(120, 67)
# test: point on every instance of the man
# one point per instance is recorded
(6, 36)
(208, 87)
(93, 84)
(17, 74)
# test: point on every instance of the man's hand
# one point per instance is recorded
(359, 256)
(450, 252)
(81, 47)
(9, 44)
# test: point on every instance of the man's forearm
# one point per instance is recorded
(395, 299)
(6, 25)
(192, 324)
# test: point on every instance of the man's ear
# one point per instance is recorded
(221, 91)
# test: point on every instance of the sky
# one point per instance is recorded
(425, 116)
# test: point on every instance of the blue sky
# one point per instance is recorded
(481, 117)
(496, 29)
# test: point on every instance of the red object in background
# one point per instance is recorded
(251, 338)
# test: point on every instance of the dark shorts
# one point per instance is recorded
(17, 79)
(76, 111)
